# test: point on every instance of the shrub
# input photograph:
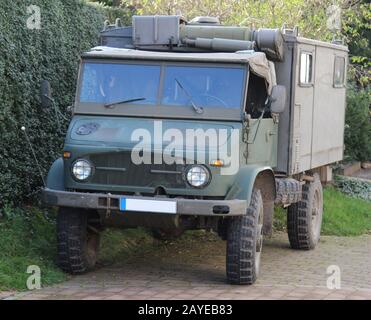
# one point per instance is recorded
(27, 56)
(358, 125)
(353, 187)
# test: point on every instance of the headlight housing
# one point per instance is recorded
(82, 169)
(198, 176)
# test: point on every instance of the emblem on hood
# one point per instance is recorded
(87, 128)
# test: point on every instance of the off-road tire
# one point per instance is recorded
(288, 191)
(77, 243)
(244, 243)
(304, 218)
(167, 234)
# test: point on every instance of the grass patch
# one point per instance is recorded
(343, 215)
(118, 243)
(27, 237)
(280, 219)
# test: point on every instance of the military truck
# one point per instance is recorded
(195, 125)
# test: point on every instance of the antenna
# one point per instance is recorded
(23, 128)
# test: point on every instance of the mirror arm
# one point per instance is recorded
(269, 101)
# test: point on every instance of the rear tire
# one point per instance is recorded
(244, 243)
(77, 242)
(304, 218)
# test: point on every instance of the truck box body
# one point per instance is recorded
(311, 128)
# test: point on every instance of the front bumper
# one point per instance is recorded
(111, 202)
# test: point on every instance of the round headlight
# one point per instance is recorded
(198, 176)
(82, 169)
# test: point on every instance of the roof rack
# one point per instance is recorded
(173, 33)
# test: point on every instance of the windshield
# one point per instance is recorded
(187, 85)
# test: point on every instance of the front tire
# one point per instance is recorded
(77, 241)
(304, 218)
(245, 242)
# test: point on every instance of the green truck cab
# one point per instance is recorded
(180, 126)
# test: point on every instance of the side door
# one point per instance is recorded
(303, 108)
(262, 131)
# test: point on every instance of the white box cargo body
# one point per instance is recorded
(311, 129)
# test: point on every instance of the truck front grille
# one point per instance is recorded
(116, 168)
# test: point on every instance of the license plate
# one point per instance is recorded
(141, 205)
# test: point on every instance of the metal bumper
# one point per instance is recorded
(104, 201)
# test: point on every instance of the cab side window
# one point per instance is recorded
(306, 68)
(256, 96)
(339, 72)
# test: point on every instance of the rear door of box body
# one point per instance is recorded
(302, 107)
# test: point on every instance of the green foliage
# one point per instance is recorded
(309, 16)
(343, 215)
(114, 3)
(358, 124)
(353, 187)
(356, 29)
(68, 28)
(121, 10)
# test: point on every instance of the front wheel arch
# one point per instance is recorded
(250, 177)
(55, 178)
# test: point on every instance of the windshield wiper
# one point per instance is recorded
(110, 105)
(197, 109)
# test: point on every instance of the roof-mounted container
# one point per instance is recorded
(156, 30)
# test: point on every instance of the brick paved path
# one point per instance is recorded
(195, 270)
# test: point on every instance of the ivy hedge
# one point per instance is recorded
(27, 56)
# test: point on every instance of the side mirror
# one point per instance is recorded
(278, 99)
(46, 99)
